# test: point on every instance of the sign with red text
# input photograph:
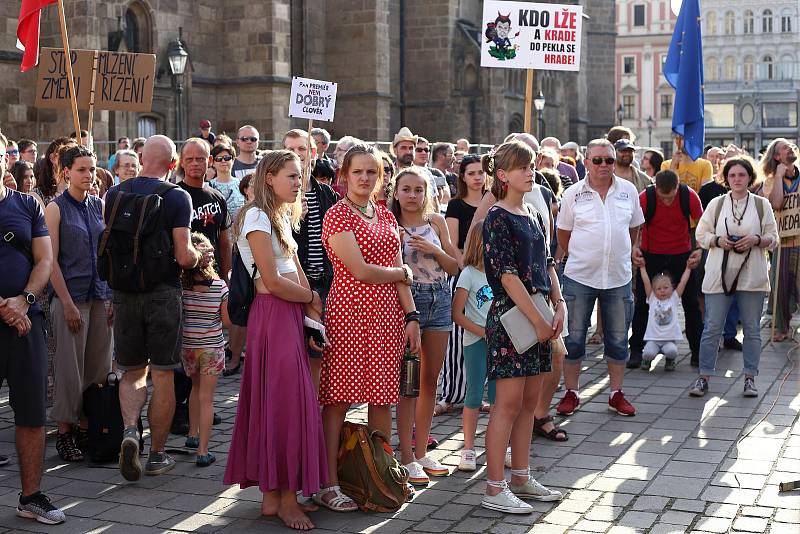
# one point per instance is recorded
(124, 81)
(312, 99)
(528, 35)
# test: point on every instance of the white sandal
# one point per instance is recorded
(338, 503)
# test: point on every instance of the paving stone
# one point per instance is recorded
(713, 524)
(730, 495)
(592, 526)
(690, 469)
(650, 504)
(787, 516)
(677, 518)
(618, 485)
(625, 530)
(136, 515)
(638, 519)
(434, 525)
(573, 505)
(751, 524)
(722, 510)
(190, 522)
(548, 529)
(669, 486)
(604, 513)
(559, 517)
(452, 511)
(473, 524)
(662, 528)
(757, 511)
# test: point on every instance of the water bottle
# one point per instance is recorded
(409, 375)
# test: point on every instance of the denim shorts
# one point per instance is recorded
(433, 302)
(147, 328)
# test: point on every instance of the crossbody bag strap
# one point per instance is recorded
(109, 224)
(14, 240)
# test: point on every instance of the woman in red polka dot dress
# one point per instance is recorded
(365, 311)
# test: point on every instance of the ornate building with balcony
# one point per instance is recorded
(752, 83)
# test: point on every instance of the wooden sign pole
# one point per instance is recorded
(307, 166)
(68, 60)
(92, 90)
(529, 102)
(775, 292)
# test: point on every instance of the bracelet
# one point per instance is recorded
(551, 262)
(312, 296)
(412, 316)
(405, 269)
(716, 241)
(759, 241)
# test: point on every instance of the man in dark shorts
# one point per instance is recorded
(27, 258)
(147, 325)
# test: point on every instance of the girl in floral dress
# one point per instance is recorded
(517, 265)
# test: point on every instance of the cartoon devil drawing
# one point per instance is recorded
(498, 32)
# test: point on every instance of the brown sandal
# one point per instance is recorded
(442, 408)
(553, 435)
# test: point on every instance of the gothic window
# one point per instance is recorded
(138, 28)
(147, 126)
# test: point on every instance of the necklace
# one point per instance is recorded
(739, 216)
(362, 209)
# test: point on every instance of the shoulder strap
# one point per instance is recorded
(15, 241)
(718, 210)
(650, 196)
(760, 210)
(163, 187)
(683, 194)
(111, 218)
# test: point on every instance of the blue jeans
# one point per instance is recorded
(751, 304)
(616, 309)
(732, 320)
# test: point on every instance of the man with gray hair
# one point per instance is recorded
(597, 226)
(323, 140)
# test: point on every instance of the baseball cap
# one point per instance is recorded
(205, 123)
(625, 144)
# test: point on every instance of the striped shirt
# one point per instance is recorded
(314, 267)
(202, 321)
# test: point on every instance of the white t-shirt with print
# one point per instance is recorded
(662, 319)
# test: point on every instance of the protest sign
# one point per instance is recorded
(123, 80)
(527, 35)
(312, 99)
(789, 216)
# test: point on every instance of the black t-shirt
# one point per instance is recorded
(240, 170)
(710, 191)
(463, 213)
(209, 214)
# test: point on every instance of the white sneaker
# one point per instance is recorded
(468, 461)
(533, 490)
(506, 502)
(508, 457)
(432, 467)
(416, 475)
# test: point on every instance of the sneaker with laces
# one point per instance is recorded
(468, 461)
(533, 490)
(569, 403)
(433, 467)
(618, 403)
(508, 457)
(417, 475)
(39, 507)
(750, 389)
(158, 463)
(699, 388)
(129, 464)
(506, 502)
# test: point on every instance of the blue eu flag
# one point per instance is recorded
(683, 70)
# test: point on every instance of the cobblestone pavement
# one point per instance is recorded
(674, 467)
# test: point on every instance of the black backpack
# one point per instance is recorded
(242, 289)
(102, 409)
(683, 198)
(135, 251)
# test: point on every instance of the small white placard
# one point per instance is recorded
(312, 99)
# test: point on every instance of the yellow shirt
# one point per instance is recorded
(694, 173)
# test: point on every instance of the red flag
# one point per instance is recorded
(28, 31)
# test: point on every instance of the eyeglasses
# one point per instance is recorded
(12, 152)
(420, 149)
(249, 139)
(219, 159)
(600, 161)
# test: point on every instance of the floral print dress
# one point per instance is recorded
(513, 244)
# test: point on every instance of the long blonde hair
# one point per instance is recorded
(427, 205)
(473, 246)
(264, 199)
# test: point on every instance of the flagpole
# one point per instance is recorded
(68, 60)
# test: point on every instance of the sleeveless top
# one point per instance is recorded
(425, 267)
(78, 233)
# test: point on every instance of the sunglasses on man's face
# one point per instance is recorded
(600, 161)
(420, 149)
(219, 159)
(249, 139)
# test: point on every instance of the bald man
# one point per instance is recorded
(147, 326)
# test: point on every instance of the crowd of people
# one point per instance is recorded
(429, 249)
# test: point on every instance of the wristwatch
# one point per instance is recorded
(30, 298)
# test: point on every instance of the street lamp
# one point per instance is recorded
(650, 125)
(620, 113)
(177, 56)
(539, 103)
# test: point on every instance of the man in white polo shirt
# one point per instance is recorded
(598, 222)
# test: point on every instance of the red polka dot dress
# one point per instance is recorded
(364, 322)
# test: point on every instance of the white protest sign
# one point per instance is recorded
(529, 35)
(312, 99)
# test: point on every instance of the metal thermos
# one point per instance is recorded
(409, 375)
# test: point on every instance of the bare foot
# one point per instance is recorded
(294, 517)
(270, 503)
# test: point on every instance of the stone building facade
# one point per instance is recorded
(396, 62)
